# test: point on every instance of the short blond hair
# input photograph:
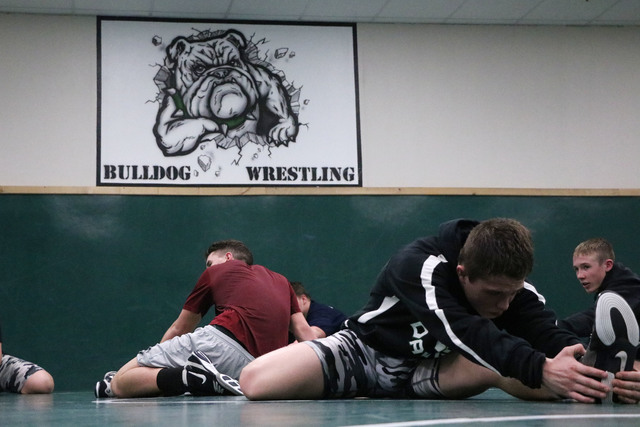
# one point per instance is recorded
(599, 246)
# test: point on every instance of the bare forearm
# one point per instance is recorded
(185, 323)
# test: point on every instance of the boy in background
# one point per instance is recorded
(323, 319)
(612, 319)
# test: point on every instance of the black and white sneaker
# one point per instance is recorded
(103, 387)
(614, 341)
(203, 379)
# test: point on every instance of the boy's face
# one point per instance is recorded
(591, 272)
(490, 297)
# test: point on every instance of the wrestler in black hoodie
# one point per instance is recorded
(418, 308)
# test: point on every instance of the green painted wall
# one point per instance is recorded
(88, 280)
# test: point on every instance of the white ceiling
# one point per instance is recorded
(509, 12)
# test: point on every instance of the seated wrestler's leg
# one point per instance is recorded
(515, 388)
(20, 376)
(40, 382)
(451, 377)
(455, 377)
(139, 376)
(292, 372)
(133, 380)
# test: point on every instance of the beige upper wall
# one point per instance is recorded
(471, 106)
(48, 109)
(440, 106)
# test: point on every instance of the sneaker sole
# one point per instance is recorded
(228, 383)
(107, 391)
(608, 301)
(604, 328)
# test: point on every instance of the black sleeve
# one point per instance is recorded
(531, 320)
(581, 323)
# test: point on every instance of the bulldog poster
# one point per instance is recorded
(227, 104)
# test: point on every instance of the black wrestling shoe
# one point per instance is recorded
(103, 387)
(614, 341)
(203, 379)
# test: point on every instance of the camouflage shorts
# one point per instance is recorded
(14, 372)
(352, 368)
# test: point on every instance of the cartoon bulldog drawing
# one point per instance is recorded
(214, 92)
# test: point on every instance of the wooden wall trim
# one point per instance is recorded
(316, 191)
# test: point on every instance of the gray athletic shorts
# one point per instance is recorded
(228, 356)
(14, 372)
(352, 368)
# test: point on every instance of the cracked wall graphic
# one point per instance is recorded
(241, 104)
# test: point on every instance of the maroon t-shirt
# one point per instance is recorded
(254, 303)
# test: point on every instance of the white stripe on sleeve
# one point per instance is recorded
(426, 276)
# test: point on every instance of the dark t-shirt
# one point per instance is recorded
(252, 302)
(325, 317)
